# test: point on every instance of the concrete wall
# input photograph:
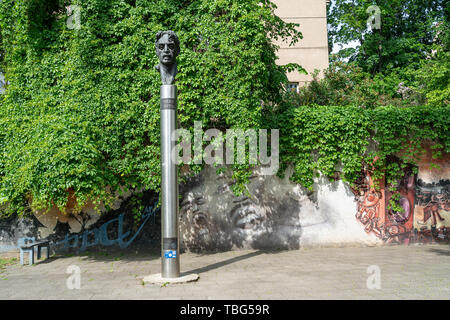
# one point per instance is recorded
(274, 214)
(13, 228)
(425, 202)
(432, 199)
(312, 51)
(87, 229)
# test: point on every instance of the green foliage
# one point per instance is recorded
(432, 79)
(81, 111)
(408, 30)
(347, 84)
(405, 62)
(394, 204)
(329, 140)
(6, 262)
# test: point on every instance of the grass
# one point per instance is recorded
(6, 262)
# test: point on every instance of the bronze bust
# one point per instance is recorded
(167, 49)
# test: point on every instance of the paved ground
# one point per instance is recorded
(406, 272)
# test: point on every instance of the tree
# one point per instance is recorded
(81, 112)
(432, 78)
(408, 29)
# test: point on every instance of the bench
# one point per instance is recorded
(28, 245)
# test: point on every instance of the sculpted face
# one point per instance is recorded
(165, 50)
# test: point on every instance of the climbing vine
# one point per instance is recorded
(81, 110)
(338, 141)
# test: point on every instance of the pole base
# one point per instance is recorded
(157, 279)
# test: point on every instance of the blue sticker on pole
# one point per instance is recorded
(169, 254)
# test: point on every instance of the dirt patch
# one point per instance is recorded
(9, 255)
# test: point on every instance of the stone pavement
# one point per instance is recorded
(406, 272)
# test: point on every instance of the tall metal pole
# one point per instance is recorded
(167, 47)
(170, 267)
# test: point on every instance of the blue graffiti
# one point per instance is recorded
(6, 248)
(100, 235)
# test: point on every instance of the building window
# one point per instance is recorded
(293, 86)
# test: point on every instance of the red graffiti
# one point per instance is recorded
(431, 209)
(369, 212)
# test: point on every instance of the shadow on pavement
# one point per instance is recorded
(115, 254)
(99, 255)
(224, 263)
(441, 252)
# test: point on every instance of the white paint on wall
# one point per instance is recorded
(337, 203)
(274, 213)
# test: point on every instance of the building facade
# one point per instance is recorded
(312, 51)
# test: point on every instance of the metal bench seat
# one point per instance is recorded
(28, 245)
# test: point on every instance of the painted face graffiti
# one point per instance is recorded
(272, 214)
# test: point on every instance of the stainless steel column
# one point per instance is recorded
(170, 267)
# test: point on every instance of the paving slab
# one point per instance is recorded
(404, 272)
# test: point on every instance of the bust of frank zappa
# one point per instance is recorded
(167, 49)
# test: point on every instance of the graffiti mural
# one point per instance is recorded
(274, 213)
(101, 235)
(391, 224)
(398, 223)
(414, 210)
(76, 220)
(87, 229)
(432, 211)
(13, 228)
(432, 207)
(371, 207)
